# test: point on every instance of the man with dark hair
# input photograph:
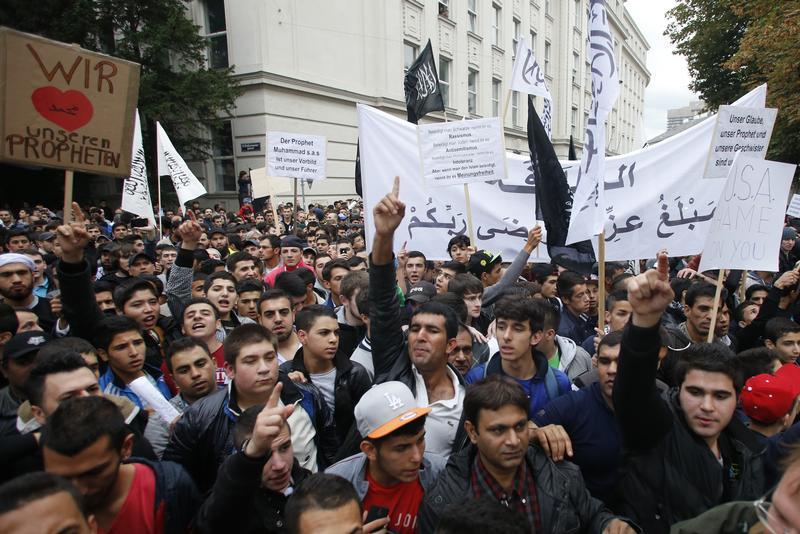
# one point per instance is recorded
(618, 311)
(16, 288)
(292, 285)
(249, 291)
(86, 440)
(392, 471)
(757, 293)
(562, 353)
(500, 465)
(341, 382)
(259, 477)
(351, 326)
(200, 321)
(420, 362)
(41, 502)
(203, 436)
(447, 272)
(415, 267)
(292, 256)
(783, 336)
(326, 504)
(220, 289)
(269, 252)
(242, 266)
(332, 275)
(519, 331)
(688, 453)
(469, 288)
(17, 240)
(344, 248)
(580, 426)
(19, 355)
(574, 323)
(458, 248)
(275, 313)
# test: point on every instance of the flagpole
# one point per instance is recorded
(601, 281)
(68, 180)
(160, 207)
(505, 107)
(468, 203)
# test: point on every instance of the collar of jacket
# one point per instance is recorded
(341, 361)
(495, 364)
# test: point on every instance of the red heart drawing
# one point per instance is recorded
(69, 109)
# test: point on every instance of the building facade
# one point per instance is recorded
(678, 116)
(305, 65)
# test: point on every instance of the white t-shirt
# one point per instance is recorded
(441, 424)
(326, 382)
(283, 359)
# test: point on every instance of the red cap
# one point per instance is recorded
(791, 373)
(766, 398)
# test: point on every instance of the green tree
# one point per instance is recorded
(176, 88)
(733, 46)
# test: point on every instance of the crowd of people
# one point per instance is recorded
(230, 372)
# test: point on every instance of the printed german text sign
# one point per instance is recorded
(739, 129)
(65, 107)
(296, 155)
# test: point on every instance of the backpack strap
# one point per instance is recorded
(551, 383)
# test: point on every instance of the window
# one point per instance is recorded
(444, 79)
(515, 108)
(409, 55)
(547, 58)
(222, 154)
(533, 42)
(574, 123)
(578, 12)
(216, 34)
(495, 97)
(515, 40)
(444, 8)
(576, 60)
(472, 92)
(547, 7)
(472, 15)
(497, 20)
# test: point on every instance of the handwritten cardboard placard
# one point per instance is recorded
(65, 107)
(296, 155)
(461, 152)
(739, 129)
(794, 206)
(748, 220)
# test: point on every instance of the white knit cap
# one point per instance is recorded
(13, 257)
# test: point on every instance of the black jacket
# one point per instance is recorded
(565, 504)
(671, 474)
(176, 494)
(352, 381)
(203, 436)
(238, 503)
(389, 346)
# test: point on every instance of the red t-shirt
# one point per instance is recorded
(137, 515)
(219, 358)
(402, 500)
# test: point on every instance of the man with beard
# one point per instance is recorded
(86, 440)
(16, 288)
(275, 313)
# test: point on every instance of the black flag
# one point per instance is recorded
(554, 200)
(358, 169)
(421, 84)
(572, 155)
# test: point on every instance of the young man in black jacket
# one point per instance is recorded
(501, 466)
(688, 453)
(258, 478)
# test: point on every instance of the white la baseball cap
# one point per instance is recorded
(385, 408)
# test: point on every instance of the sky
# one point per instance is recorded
(669, 81)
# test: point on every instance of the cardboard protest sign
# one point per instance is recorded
(794, 206)
(265, 186)
(296, 155)
(746, 228)
(461, 152)
(738, 129)
(65, 107)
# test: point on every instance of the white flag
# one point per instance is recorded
(170, 162)
(135, 191)
(528, 77)
(588, 211)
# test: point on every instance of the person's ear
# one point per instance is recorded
(91, 521)
(472, 432)
(536, 338)
(127, 447)
(451, 345)
(369, 450)
(103, 354)
(302, 335)
(769, 344)
(5, 337)
(38, 414)
(230, 370)
(594, 362)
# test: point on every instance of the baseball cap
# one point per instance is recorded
(46, 236)
(766, 398)
(385, 408)
(291, 241)
(421, 292)
(482, 262)
(217, 231)
(24, 343)
(791, 373)
(140, 255)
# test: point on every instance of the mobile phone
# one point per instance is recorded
(376, 512)
(139, 223)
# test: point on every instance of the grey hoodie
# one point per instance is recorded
(574, 360)
(354, 469)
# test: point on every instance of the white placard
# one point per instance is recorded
(135, 190)
(738, 129)
(152, 398)
(746, 228)
(186, 184)
(296, 155)
(794, 206)
(461, 152)
(265, 186)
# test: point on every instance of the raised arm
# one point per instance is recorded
(643, 415)
(384, 312)
(179, 284)
(516, 267)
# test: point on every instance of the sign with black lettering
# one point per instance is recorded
(296, 155)
(250, 147)
(739, 129)
(65, 107)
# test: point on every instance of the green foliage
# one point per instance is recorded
(176, 86)
(733, 46)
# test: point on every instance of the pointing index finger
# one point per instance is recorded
(78, 213)
(663, 265)
(274, 397)
(396, 186)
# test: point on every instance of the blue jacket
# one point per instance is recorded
(577, 328)
(595, 436)
(112, 385)
(535, 388)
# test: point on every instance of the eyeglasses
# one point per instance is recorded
(770, 518)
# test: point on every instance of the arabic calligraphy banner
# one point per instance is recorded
(528, 77)
(746, 229)
(186, 184)
(502, 210)
(64, 106)
(135, 189)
